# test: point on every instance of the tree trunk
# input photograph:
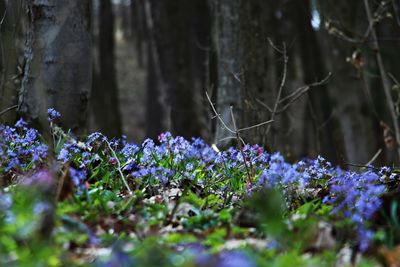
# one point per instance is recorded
(230, 55)
(57, 71)
(10, 50)
(346, 86)
(243, 67)
(157, 108)
(105, 100)
(319, 123)
(138, 29)
(179, 58)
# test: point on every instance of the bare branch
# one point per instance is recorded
(374, 157)
(274, 46)
(393, 78)
(254, 126)
(8, 109)
(219, 116)
(285, 61)
(304, 89)
(264, 105)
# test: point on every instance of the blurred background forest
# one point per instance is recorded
(325, 71)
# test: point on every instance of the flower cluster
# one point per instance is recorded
(20, 147)
(357, 196)
(175, 159)
(52, 114)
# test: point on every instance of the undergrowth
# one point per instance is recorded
(175, 202)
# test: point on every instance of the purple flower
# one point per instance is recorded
(52, 114)
(234, 259)
(5, 201)
(358, 197)
(96, 136)
(129, 150)
(42, 178)
(21, 124)
(78, 177)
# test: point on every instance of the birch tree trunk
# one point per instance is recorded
(58, 66)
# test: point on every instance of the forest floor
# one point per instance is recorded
(174, 202)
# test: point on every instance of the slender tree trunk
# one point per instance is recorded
(138, 29)
(240, 39)
(157, 108)
(57, 71)
(10, 48)
(312, 65)
(105, 100)
(347, 88)
(176, 42)
(230, 55)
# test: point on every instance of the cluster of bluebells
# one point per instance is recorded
(52, 115)
(353, 195)
(357, 197)
(20, 147)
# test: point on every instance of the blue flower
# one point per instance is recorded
(234, 259)
(52, 114)
(21, 124)
(78, 177)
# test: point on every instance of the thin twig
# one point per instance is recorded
(393, 78)
(8, 109)
(374, 157)
(361, 166)
(282, 85)
(250, 180)
(264, 105)
(218, 115)
(118, 165)
(254, 126)
(299, 91)
(304, 89)
(274, 46)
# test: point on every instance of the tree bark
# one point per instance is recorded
(10, 49)
(240, 34)
(230, 54)
(57, 71)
